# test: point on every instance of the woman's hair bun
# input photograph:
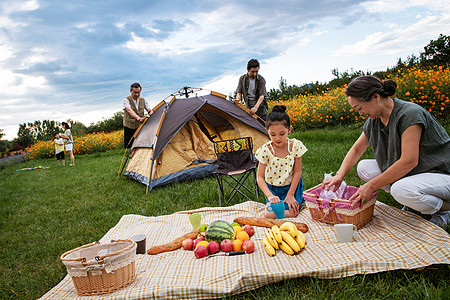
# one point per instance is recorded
(279, 108)
(389, 87)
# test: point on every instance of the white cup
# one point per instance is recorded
(345, 232)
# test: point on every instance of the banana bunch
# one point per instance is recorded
(286, 237)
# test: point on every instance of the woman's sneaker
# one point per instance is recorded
(441, 218)
(406, 208)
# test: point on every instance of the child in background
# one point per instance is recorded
(58, 142)
(280, 165)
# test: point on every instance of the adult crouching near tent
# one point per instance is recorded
(133, 112)
(411, 149)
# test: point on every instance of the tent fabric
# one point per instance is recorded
(176, 142)
(393, 240)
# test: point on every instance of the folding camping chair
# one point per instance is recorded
(236, 162)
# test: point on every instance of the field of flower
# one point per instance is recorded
(87, 144)
(427, 87)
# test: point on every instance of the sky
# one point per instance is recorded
(75, 60)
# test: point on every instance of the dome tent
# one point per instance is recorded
(176, 142)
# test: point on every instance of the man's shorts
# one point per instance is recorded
(69, 147)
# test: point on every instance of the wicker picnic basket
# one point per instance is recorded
(101, 268)
(337, 211)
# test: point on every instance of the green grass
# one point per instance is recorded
(47, 212)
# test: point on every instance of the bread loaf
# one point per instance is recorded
(265, 222)
(173, 245)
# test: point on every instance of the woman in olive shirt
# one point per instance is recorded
(411, 149)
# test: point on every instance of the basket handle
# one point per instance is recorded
(73, 250)
(98, 258)
(314, 196)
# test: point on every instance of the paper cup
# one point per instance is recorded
(345, 232)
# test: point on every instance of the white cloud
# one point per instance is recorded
(389, 6)
(15, 6)
(219, 28)
(400, 38)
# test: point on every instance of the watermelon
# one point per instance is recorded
(219, 231)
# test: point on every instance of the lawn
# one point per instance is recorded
(47, 212)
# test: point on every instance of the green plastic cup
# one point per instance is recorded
(195, 220)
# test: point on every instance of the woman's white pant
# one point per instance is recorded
(423, 192)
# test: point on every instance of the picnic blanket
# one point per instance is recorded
(393, 240)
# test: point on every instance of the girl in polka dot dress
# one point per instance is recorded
(280, 165)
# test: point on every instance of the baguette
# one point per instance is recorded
(173, 245)
(266, 222)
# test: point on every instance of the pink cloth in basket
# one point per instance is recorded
(325, 203)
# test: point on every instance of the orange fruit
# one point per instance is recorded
(237, 229)
(202, 243)
(243, 236)
(237, 245)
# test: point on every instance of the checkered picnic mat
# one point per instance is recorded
(394, 239)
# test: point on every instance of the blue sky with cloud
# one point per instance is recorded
(75, 60)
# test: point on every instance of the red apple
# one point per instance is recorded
(226, 245)
(187, 244)
(248, 246)
(213, 247)
(249, 229)
(201, 252)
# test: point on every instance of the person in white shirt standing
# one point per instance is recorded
(68, 139)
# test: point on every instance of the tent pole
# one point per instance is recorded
(122, 165)
(150, 171)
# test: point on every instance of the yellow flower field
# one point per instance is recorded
(428, 88)
(87, 144)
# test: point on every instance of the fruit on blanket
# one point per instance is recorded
(290, 241)
(301, 239)
(237, 245)
(243, 236)
(276, 233)
(286, 249)
(202, 243)
(248, 246)
(187, 244)
(202, 228)
(235, 224)
(213, 247)
(219, 231)
(271, 239)
(201, 251)
(289, 227)
(198, 240)
(268, 247)
(249, 229)
(226, 245)
(237, 229)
